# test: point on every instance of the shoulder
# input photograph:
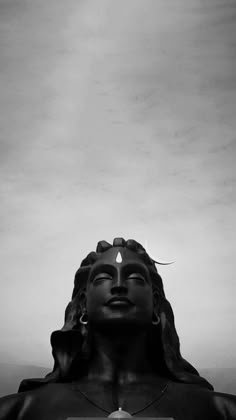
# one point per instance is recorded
(217, 404)
(10, 406)
(16, 406)
(226, 404)
(13, 405)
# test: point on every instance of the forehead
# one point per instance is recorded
(119, 257)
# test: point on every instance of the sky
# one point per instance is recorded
(117, 118)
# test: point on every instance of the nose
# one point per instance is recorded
(119, 286)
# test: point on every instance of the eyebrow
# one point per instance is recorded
(135, 265)
(125, 267)
(104, 266)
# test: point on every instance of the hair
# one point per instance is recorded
(71, 346)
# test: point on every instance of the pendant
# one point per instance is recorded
(119, 413)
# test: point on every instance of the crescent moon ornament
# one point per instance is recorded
(154, 259)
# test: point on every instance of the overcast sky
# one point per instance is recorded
(118, 118)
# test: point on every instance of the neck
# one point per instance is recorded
(120, 356)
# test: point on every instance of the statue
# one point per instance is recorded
(118, 350)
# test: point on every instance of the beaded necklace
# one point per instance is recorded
(115, 413)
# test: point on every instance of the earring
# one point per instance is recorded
(157, 319)
(84, 318)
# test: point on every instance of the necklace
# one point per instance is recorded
(116, 413)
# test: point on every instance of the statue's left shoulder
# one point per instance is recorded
(205, 403)
(225, 404)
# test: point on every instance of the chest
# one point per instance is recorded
(133, 398)
(78, 400)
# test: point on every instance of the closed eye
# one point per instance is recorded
(102, 276)
(136, 276)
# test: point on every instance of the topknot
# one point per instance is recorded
(103, 246)
(119, 242)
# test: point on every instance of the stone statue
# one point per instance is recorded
(118, 350)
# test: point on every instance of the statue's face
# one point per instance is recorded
(119, 290)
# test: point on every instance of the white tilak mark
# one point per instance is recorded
(119, 257)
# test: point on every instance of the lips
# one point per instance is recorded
(119, 300)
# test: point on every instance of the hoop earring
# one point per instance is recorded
(157, 320)
(84, 318)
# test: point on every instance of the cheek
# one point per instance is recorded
(145, 302)
(96, 296)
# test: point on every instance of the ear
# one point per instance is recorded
(82, 300)
(156, 301)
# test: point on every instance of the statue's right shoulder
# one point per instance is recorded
(35, 403)
(12, 405)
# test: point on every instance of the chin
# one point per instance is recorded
(123, 323)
